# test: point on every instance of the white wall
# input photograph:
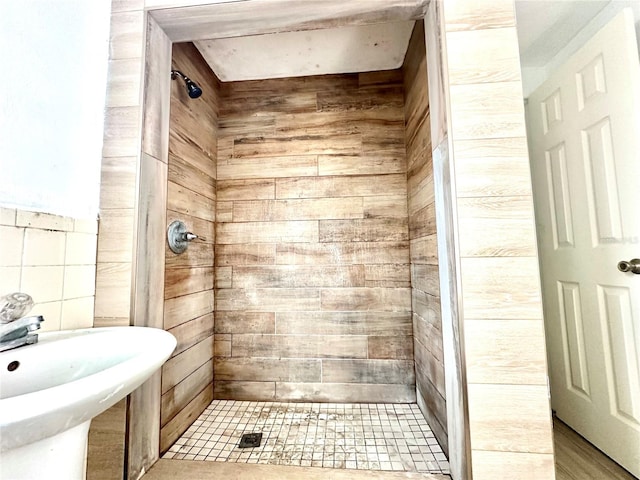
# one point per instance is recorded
(533, 77)
(53, 55)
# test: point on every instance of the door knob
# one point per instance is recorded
(632, 266)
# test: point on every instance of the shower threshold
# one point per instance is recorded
(361, 436)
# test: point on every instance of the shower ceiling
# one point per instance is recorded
(313, 52)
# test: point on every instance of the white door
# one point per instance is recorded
(584, 137)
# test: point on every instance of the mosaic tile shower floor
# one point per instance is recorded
(350, 436)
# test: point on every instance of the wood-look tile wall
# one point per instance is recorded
(187, 377)
(509, 414)
(425, 281)
(313, 296)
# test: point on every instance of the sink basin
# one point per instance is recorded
(50, 391)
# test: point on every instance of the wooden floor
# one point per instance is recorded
(576, 459)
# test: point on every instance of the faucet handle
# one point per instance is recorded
(14, 306)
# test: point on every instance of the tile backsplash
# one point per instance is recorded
(53, 259)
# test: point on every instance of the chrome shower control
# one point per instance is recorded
(178, 236)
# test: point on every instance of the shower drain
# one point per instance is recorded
(250, 440)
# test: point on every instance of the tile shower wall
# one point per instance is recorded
(53, 259)
(425, 282)
(187, 377)
(313, 297)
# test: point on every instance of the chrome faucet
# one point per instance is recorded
(16, 330)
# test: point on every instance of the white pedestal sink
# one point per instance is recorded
(50, 391)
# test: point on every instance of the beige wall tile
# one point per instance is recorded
(81, 249)
(44, 284)
(113, 290)
(9, 279)
(43, 220)
(496, 227)
(480, 56)
(125, 78)
(12, 240)
(117, 244)
(501, 288)
(488, 465)
(505, 351)
(487, 110)
(127, 35)
(470, 15)
(43, 247)
(51, 312)
(7, 216)
(510, 418)
(77, 313)
(79, 281)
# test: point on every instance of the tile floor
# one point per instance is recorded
(349, 436)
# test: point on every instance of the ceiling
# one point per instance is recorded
(544, 27)
(313, 52)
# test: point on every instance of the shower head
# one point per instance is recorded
(193, 89)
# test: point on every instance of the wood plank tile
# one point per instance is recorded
(268, 369)
(178, 397)
(383, 299)
(373, 164)
(224, 211)
(344, 323)
(287, 165)
(246, 254)
(345, 392)
(422, 223)
(227, 190)
(181, 366)
(349, 186)
(186, 175)
(182, 309)
(222, 345)
(298, 209)
(268, 299)
(183, 420)
(126, 39)
(115, 237)
(424, 250)
(390, 347)
(385, 207)
(368, 371)
(426, 278)
(197, 255)
(250, 391)
(247, 104)
(331, 253)
(183, 200)
(365, 98)
(387, 275)
(191, 332)
(366, 230)
(299, 346)
(267, 232)
(245, 322)
(253, 147)
(224, 277)
(291, 276)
